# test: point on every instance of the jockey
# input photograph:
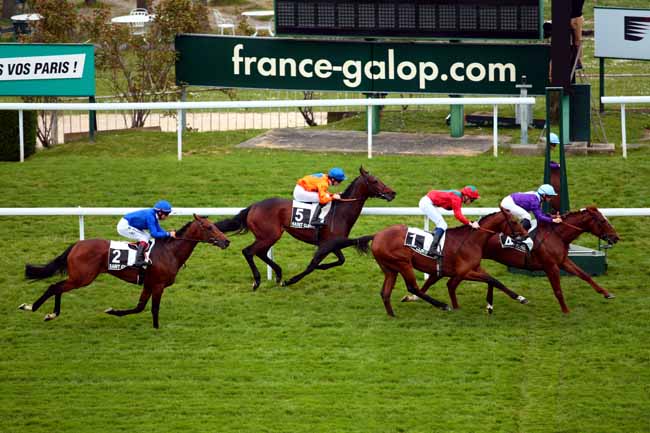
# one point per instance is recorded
(134, 224)
(313, 189)
(520, 203)
(553, 141)
(449, 200)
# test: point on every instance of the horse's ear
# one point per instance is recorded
(362, 171)
(196, 217)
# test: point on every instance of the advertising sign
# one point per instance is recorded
(275, 63)
(622, 33)
(47, 70)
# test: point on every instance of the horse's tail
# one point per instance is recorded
(60, 264)
(362, 244)
(238, 223)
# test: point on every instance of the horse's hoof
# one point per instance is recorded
(25, 307)
(50, 316)
(446, 308)
(109, 310)
(490, 308)
(410, 298)
(610, 296)
(522, 300)
(284, 283)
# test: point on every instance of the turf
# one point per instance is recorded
(320, 356)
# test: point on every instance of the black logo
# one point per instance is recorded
(636, 28)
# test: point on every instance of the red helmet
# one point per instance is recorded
(470, 191)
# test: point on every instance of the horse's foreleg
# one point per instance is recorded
(340, 260)
(144, 298)
(319, 256)
(155, 304)
(569, 266)
(412, 287)
(553, 274)
(489, 298)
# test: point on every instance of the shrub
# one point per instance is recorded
(9, 139)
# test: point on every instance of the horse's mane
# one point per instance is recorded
(179, 233)
(348, 190)
(579, 212)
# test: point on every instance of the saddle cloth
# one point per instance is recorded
(522, 246)
(420, 241)
(301, 214)
(123, 254)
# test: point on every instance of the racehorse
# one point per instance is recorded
(461, 258)
(551, 249)
(85, 260)
(268, 219)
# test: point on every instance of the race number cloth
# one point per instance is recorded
(121, 255)
(523, 246)
(420, 241)
(301, 214)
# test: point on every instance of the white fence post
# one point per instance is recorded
(369, 110)
(82, 234)
(179, 133)
(623, 132)
(21, 135)
(495, 128)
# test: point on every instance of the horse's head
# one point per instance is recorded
(204, 230)
(375, 187)
(598, 225)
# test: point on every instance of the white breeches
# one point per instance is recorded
(127, 231)
(301, 194)
(426, 206)
(519, 212)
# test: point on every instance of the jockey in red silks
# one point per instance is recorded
(134, 224)
(314, 189)
(451, 199)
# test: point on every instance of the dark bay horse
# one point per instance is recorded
(268, 219)
(85, 260)
(461, 260)
(551, 249)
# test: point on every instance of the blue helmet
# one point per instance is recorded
(337, 174)
(162, 206)
(553, 138)
(546, 189)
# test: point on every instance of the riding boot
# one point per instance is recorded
(139, 255)
(526, 240)
(437, 235)
(316, 221)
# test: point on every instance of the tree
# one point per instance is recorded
(58, 25)
(141, 66)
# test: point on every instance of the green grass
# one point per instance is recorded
(321, 356)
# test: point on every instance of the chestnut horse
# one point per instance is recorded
(551, 249)
(461, 259)
(85, 260)
(268, 219)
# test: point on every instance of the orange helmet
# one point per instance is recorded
(470, 191)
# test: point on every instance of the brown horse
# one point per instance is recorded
(551, 249)
(85, 260)
(268, 219)
(461, 260)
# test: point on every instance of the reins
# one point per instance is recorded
(572, 226)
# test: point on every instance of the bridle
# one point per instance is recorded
(601, 227)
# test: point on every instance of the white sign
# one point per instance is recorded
(622, 33)
(42, 67)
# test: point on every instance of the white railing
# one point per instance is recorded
(624, 100)
(376, 211)
(181, 106)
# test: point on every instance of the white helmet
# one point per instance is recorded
(546, 189)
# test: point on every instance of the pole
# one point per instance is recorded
(523, 109)
(601, 73)
(92, 121)
(21, 135)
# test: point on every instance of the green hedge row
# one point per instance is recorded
(9, 139)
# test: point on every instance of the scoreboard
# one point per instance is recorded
(447, 19)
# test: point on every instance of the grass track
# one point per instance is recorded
(320, 356)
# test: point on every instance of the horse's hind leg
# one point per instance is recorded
(412, 287)
(260, 249)
(52, 290)
(319, 256)
(144, 298)
(569, 266)
(263, 255)
(389, 283)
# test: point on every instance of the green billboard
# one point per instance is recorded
(47, 70)
(415, 67)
